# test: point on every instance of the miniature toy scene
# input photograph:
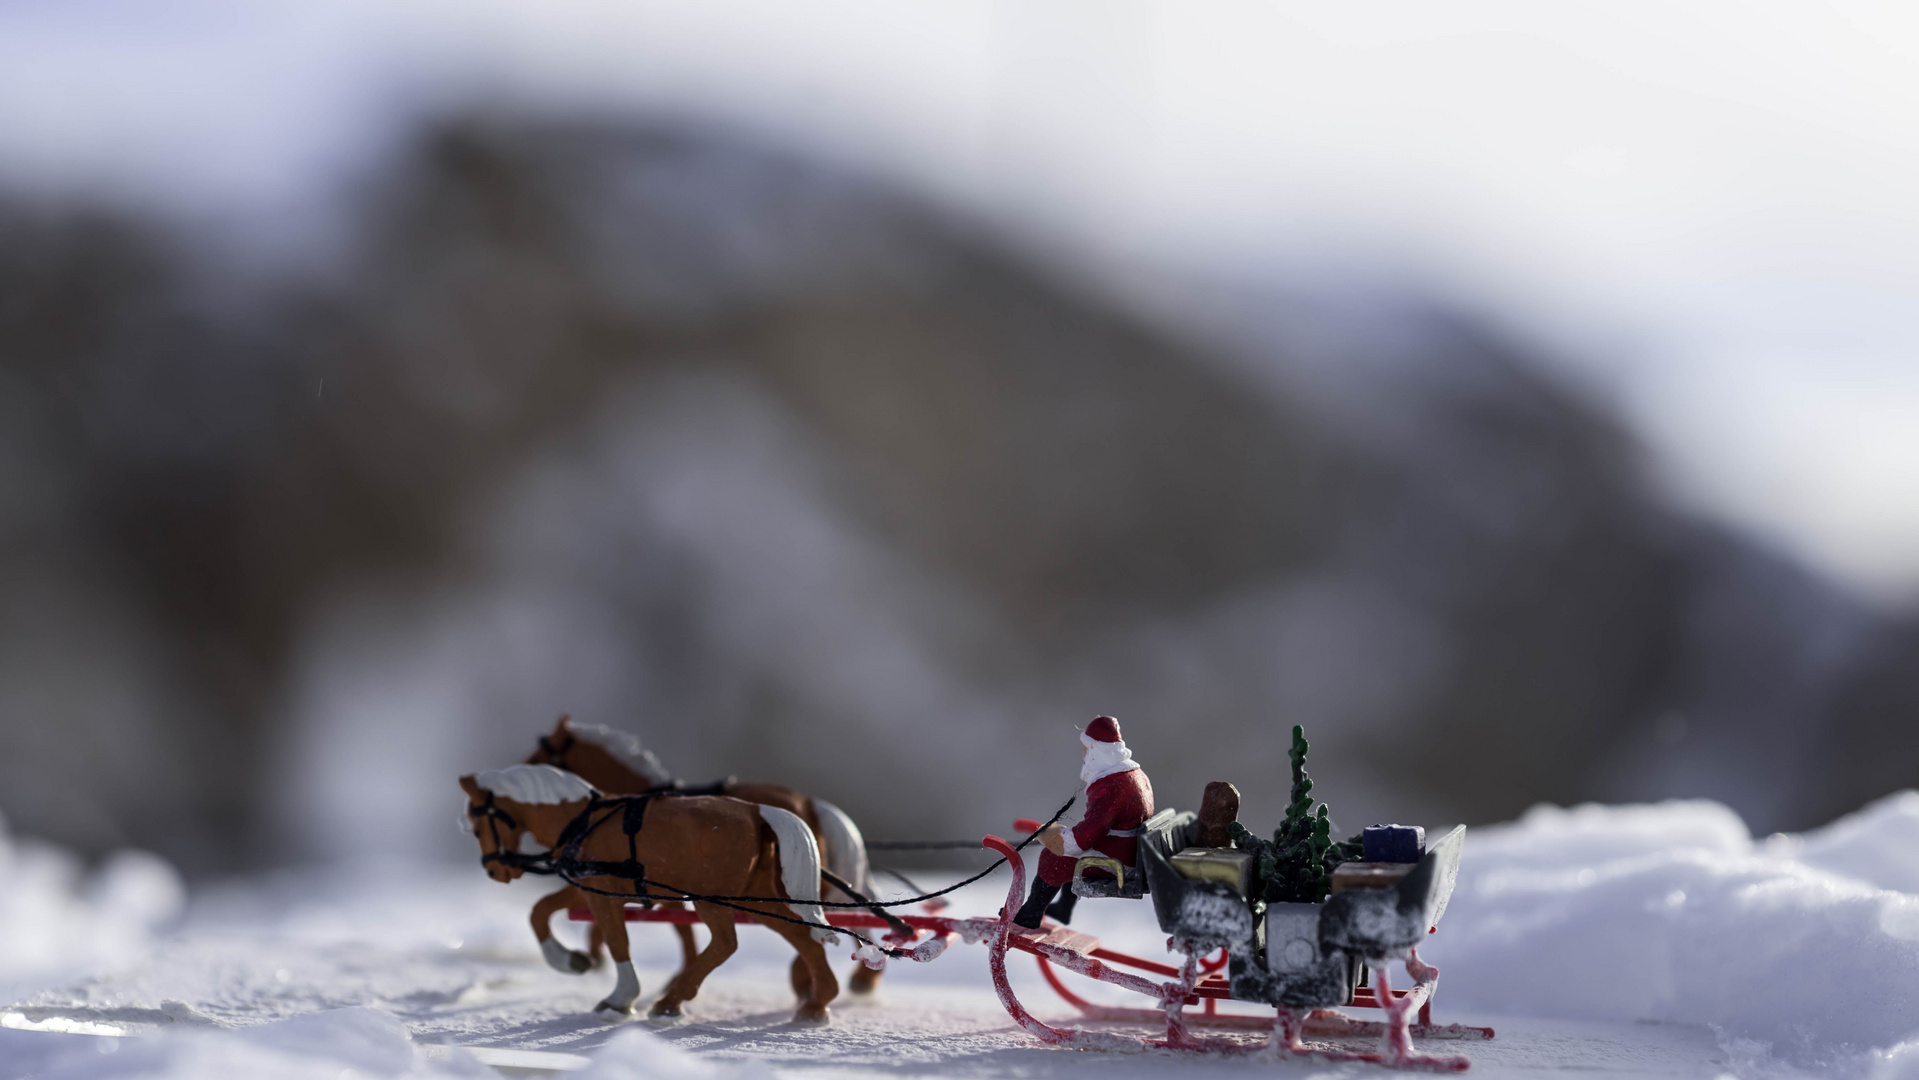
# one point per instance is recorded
(741, 541)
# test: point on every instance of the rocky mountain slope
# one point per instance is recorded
(802, 478)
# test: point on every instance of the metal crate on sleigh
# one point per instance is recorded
(1301, 956)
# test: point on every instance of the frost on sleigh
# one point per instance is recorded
(1300, 923)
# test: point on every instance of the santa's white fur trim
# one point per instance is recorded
(535, 785)
(1105, 759)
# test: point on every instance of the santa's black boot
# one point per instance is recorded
(1035, 906)
(1061, 910)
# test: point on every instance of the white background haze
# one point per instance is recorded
(1709, 209)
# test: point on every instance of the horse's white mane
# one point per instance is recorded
(535, 785)
(627, 747)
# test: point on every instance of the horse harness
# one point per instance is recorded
(494, 815)
(564, 858)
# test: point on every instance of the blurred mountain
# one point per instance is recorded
(807, 480)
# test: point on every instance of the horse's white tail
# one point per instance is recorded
(799, 868)
(845, 849)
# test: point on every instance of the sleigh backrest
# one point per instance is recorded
(1430, 886)
(1164, 834)
(1167, 831)
(1385, 921)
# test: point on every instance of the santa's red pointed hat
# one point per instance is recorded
(1103, 729)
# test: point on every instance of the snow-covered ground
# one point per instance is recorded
(1599, 941)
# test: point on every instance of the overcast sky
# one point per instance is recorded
(1711, 211)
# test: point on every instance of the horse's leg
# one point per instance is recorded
(800, 977)
(824, 987)
(686, 985)
(558, 956)
(864, 980)
(689, 948)
(609, 914)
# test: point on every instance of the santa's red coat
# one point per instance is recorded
(1115, 807)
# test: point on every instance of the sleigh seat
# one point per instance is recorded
(1166, 832)
(1126, 882)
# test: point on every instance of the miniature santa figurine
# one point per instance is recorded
(1117, 800)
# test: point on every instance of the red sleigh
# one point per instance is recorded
(1211, 971)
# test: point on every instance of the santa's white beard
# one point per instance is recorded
(1104, 759)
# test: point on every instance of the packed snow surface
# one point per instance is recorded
(1612, 941)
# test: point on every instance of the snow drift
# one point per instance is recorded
(60, 920)
(1672, 912)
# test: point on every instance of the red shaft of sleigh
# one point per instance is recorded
(1202, 979)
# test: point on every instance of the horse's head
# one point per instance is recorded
(610, 760)
(507, 805)
(496, 827)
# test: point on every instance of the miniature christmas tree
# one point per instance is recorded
(1296, 865)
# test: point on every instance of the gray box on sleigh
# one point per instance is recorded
(1299, 955)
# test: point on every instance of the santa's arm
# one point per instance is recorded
(1092, 828)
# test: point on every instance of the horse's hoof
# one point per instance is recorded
(863, 981)
(813, 1016)
(562, 959)
(665, 1015)
(613, 1012)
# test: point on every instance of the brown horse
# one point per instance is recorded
(706, 845)
(615, 762)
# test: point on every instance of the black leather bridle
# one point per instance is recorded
(496, 816)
